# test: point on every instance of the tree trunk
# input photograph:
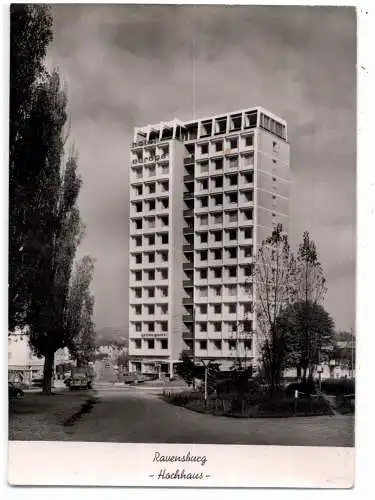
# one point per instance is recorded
(48, 372)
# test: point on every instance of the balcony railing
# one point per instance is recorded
(188, 265)
(187, 283)
(189, 160)
(187, 300)
(187, 318)
(188, 195)
(189, 212)
(188, 248)
(188, 335)
(188, 230)
(187, 352)
(188, 178)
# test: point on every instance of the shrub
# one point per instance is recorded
(337, 387)
(305, 390)
(283, 407)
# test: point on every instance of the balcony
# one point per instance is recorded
(187, 300)
(186, 265)
(188, 212)
(189, 160)
(188, 230)
(188, 195)
(187, 318)
(188, 335)
(189, 178)
(188, 283)
(188, 248)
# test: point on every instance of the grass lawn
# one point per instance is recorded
(37, 417)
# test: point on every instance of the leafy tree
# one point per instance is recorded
(79, 324)
(274, 278)
(310, 292)
(122, 360)
(306, 351)
(30, 33)
(60, 231)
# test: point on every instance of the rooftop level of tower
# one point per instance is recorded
(208, 127)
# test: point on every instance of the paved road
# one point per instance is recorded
(134, 415)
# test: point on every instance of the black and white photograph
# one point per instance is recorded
(182, 235)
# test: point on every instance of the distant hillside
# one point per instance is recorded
(111, 335)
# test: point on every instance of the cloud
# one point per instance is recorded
(133, 65)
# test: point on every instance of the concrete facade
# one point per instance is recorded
(203, 196)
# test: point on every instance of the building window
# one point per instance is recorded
(217, 218)
(138, 327)
(233, 162)
(248, 160)
(203, 308)
(138, 258)
(203, 220)
(249, 140)
(248, 233)
(204, 167)
(151, 239)
(164, 203)
(218, 254)
(248, 271)
(151, 344)
(217, 326)
(247, 344)
(164, 186)
(138, 310)
(218, 236)
(137, 343)
(233, 143)
(204, 149)
(217, 308)
(219, 146)
(232, 344)
(138, 276)
(138, 224)
(232, 197)
(218, 182)
(164, 256)
(248, 178)
(164, 239)
(151, 188)
(151, 222)
(232, 253)
(217, 344)
(218, 272)
(151, 292)
(232, 233)
(216, 291)
(164, 309)
(232, 308)
(151, 310)
(218, 163)
(151, 275)
(203, 255)
(164, 220)
(203, 345)
(218, 199)
(233, 180)
(164, 344)
(203, 274)
(204, 201)
(138, 241)
(164, 274)
(138, 293)
(248, 214)
(204, 237)
(232, 271)
(232, 291)
(203, 327)
(164, 326)
(248, 252)
(164, 291)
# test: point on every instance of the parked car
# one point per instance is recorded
(14, 391)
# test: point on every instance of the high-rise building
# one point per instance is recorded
(203, 195)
